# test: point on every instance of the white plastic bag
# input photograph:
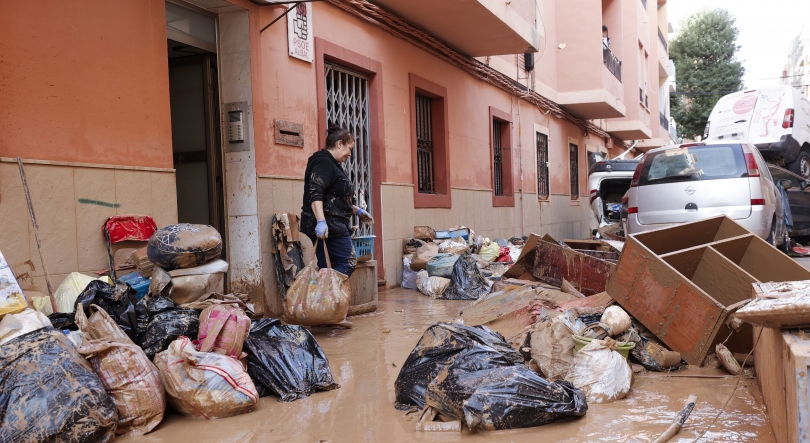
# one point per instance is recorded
(490, 251)
(615, 320)
(408, 274)
(204, 384)
(15, 325)
(433, 287)
(601, 372)
(73, 285)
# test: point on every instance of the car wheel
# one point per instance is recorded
(801, 165)
(772, 236)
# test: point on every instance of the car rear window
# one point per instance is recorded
(694, 163)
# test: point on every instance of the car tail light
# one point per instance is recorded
(706, 131)
(788, 120)
(594, 194)
(757, 202)
(632, 210)
(751, 165)
(637, 175)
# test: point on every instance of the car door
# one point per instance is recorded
(798, 198)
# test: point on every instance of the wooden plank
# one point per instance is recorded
(525, 261)
(363, 283)
(498, 306)
(778, 305)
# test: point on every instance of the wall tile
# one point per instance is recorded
(240, 183)
(53, 197)
(243, 239)
(235, 77)
(133, 191)
(14, 221)
(266, 211)
(97, 185)
(164, 198)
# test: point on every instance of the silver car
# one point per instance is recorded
(688, 182)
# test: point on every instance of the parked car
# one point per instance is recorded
(608, 181)
(798, 192)
(688, 182)
(775, 119)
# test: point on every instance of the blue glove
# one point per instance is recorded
(362, 212)
(321, 229)
(365, 217)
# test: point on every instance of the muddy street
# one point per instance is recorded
(365, 361)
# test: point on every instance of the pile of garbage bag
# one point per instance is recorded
(471, 373)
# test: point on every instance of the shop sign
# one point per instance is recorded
(299, 32)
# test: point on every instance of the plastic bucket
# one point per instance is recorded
(622, 347)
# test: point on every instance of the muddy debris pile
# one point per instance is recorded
(114, 353)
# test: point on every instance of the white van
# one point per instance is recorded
(775, 119)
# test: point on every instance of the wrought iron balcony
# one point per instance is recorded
(612, 62)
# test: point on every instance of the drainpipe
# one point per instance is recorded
(520, 153)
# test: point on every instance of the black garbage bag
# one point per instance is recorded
(117, 300)
(439, 347)
(163, 322)
(49, 393)
(63, 321)
(505, 398)
(471, 373)
(286, 360)
(466, 281)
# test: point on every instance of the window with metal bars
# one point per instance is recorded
(574, 159)
(424, 144)
(542, 166)
(497, 154)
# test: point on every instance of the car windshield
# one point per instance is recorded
(694, 163)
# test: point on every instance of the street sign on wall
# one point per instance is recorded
(300, 39)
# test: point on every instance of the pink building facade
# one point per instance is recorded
(132, 105)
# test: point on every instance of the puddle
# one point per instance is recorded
(366, 360)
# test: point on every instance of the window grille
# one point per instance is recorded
(424, 144)
(497, 153)
(542, 166)
(574, 158)
(347, 104)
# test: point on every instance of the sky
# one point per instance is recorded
(766, 29)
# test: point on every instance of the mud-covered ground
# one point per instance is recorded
(366, 360)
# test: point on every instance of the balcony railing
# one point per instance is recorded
(662, 40)
(643, 98)
(612, 62)
(664, 121)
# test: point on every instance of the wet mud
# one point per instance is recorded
(366, 360)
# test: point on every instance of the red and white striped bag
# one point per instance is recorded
(223, 329)
(205, 385)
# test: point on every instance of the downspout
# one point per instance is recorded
(520, 154)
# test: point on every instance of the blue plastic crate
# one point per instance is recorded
(138, 283)
(364, 247)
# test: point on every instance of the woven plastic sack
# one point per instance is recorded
(205, 385)
(317, 297)
(131, 380)
(184, 246)
(223, 329)
(552, 348)
(601, 372)
(433, 287)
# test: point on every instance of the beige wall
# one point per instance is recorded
(70, 232)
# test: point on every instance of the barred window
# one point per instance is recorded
(542, 165)
(497, 153)
(424, 144)
(574, 158)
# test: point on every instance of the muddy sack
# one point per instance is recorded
(184, 246)
(205, 385)
(223, 329)
(48, 392)
(163, 323)
(601, 372)
(471, 373)
(286, 360)
(508, 397)
(131, 380)
(466, 281)
(441, 265)
(316, 297)
(116, 300)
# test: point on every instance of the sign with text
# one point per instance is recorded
(299, 32)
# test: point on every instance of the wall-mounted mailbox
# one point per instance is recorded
(289, 133)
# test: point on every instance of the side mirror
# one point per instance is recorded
(787, 184)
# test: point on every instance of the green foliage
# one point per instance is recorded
(704, 52)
